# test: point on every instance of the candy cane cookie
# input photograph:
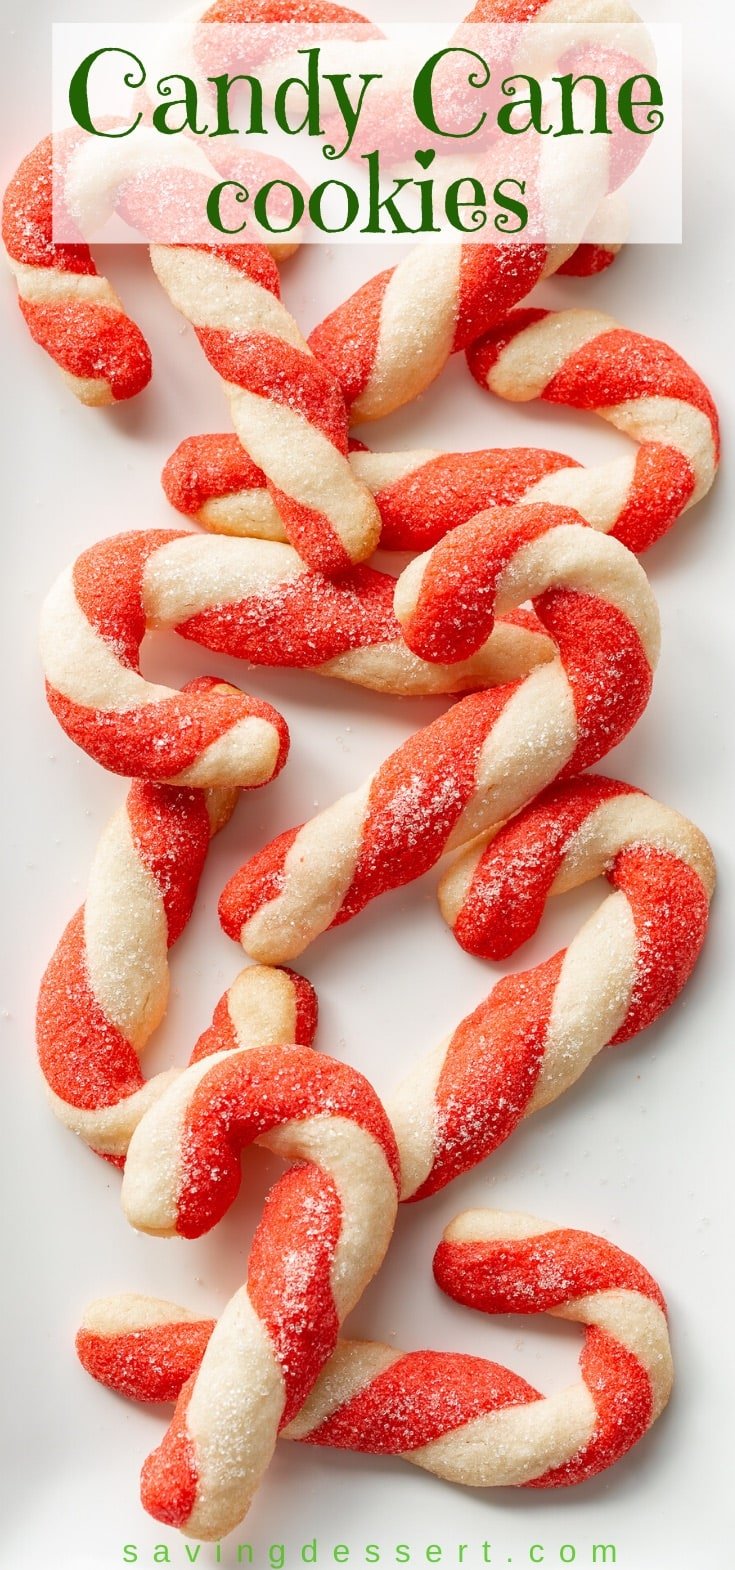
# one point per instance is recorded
(477, 764)
(580, 359)
(446, 599)
(287, 409)
(71, 310)
(105, 989)
(390, 340)
(585, 360)
(322, 1236)
(459, 1417)
(538, 1030)
(420, 495)
(253, 599)
(92, 625)
(286, 406)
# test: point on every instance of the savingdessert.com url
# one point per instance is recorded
(387, 1556)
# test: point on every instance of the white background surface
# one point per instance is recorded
(640, 1150)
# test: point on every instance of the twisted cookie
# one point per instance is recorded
(323, 1234)
(250, 598)
(538, 1030)
(421, 495)
(481, 761)
(585, 360)
(462, 1418)
(287, 408)
(71, 311)
(580, 359)
(105, 989)
(92, 625)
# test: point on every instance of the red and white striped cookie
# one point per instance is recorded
(323, 1233)
(538, 1030)
(446, 600)
(477, 764)
(420, 495)
(287, 408)
(584, 360)
(389, 341)
(253, 599)
(92, 626)
(71, 310)
(460, 1417)
(105, 989)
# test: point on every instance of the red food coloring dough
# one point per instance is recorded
(258, 881)
(455, 609)
(347, 340)
(418, 795)
(246, 1095)
(85, 1059)
(307, 1008)
(491, 11)
(619, 365)
(150, 1364)
(621, 1390)
(306, 621)
(491, 279)
(663, 482)
(28, 206)
(513, 877)
(92, 341)
(108, 584)
(420, 1397)
(169, 1479)
(486, 351)
(422, 507)
(163, 738)
(534, 1275)
(207, 467)
(311, 534)
(606, 666)
(289, 1277)
(670, 911)
(84, 1056)
(299, 12)
(489, 1073)
(220, 1036)
(171, 834)
(587, 261)
(273, 369)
